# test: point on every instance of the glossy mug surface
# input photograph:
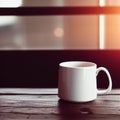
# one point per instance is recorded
(78, 81)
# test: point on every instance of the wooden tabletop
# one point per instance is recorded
(40, 104)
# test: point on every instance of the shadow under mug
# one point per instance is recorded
(78, 81)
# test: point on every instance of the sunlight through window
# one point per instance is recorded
(5, 20)
(101, 27)
(10, 3)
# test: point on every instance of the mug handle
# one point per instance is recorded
(109, 78)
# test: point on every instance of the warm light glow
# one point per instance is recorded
(101, 27)
(10, 3)
(102, 31)
(58, 32)
(102, 3)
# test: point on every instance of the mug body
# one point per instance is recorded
(77, 81)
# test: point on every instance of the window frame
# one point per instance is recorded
(78, 10)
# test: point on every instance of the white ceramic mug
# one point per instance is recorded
(77, 81)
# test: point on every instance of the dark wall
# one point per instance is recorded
(40, 68)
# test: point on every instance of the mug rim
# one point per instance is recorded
(66, 64)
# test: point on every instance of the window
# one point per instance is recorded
(48, 25)
(84, 31)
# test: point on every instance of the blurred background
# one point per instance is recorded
(59, 32)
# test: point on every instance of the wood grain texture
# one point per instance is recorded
(46, 105)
